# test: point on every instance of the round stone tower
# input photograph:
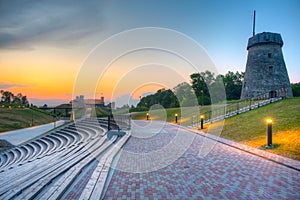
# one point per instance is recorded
(266, 74)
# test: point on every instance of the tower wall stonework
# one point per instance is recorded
(266, 73)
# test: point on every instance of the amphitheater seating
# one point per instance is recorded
(46, 166)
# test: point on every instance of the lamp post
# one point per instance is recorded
(109, 122)
(176, 118)
(201, 121)
(147, 114)
(269, 122)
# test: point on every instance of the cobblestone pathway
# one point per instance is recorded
(225, 173)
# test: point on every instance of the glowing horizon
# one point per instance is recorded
(43, 47)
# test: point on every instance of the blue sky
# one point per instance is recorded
(222, 29)
(63, 32)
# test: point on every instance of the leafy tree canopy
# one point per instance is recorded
(296, 89)
(198, 91)
(164, 97)
(8, 98)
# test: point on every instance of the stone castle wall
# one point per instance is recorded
(266, 72)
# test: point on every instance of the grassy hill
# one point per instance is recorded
(250, 128)
(17, 118)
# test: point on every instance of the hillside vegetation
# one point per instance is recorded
(17, 118)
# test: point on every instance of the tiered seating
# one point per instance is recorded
(46, 166)
(51, 143)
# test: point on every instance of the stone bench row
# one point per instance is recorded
(63, 169)
(47, 166)
(95, 186)
(57, 190)
(37, 170)
(45, 145)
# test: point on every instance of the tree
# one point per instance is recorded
(185, 95)
(207, 82)
(17, 99)
(24, 101)
(165, 98)
(200, 83)
(217, 90)
(1, 92)
(296, 89)
(7, 97)
(233, 83)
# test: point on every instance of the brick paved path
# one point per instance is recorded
(225, 173)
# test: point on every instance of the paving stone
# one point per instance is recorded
(225, 172)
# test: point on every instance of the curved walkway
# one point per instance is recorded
(224, 173)
(22, 135)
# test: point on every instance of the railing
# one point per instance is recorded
(229, 110)
(119, 122)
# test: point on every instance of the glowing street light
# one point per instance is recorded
(201, 120)
(269, 123)
(147, 114)
(176, 118)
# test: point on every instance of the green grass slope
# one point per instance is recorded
(17, 118)
(250, 128)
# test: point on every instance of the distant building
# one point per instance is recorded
(95, 102)
(80, 101)
(79, 98)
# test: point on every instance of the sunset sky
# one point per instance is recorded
(43, 44)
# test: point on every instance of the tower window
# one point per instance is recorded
(269, 55)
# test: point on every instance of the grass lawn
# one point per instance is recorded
(17, 118)
(250, 128)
